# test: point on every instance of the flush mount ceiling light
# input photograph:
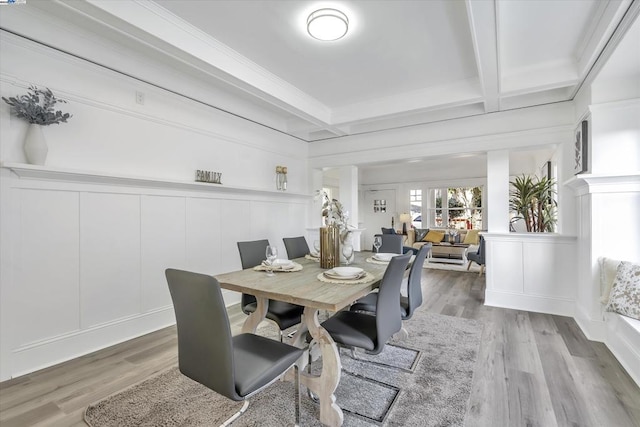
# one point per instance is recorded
(327, 24)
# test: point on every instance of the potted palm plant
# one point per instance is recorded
(37, 108)
(532, 200)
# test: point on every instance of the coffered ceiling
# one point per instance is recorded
(402, 63)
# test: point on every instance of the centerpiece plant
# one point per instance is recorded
(333, 213)
(532, 199)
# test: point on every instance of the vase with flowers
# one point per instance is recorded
(37, 108)
(336, 226)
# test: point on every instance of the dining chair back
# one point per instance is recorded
(414, 284)
(408, 303)
(354, 329)
(391, 243)
(235, 367)
(388, 319)
(284, 314)
(296, 247)
(252, 253)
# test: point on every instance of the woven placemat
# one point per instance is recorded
(296, 267)
(376, 261)
(367, 278)
(312, 258)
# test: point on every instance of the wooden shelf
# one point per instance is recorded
(26, 171)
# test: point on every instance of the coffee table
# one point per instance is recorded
(454, 253)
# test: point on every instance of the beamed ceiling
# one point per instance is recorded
(402, 63)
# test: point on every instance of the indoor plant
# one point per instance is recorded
(532, 199)
(336, 231)
(37, 108)
(335, 214)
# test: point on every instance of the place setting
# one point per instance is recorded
(381, 258)
(274, 264)
(345, 275)
(314, 255)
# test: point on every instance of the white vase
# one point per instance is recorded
(35, 146)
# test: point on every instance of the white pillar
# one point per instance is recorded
(315, 206)
(349, 197)
(497, 210)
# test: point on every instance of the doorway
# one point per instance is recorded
(379, 207)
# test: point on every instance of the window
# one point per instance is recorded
(415, 202)
(463, 207)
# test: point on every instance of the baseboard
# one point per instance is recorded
(538, 304)
(594, 330)
(55, 350)
(623, 340)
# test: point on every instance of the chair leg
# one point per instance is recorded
(236, 415)
(481, 269)
(469, 265)
(312, 396)
(297, 391)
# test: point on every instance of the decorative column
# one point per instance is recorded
(349, 198)
(497, 192)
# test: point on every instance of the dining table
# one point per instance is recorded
(309, 288)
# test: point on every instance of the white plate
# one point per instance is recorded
(383, 256)
(345, 271)
(335, 276)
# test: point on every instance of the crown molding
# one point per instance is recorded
(589, 183)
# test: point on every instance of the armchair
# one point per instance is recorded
(477, 257)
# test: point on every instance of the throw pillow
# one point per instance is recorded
(420, 233)
(388, 231)
(433, 236)
(472, 237)
(608, 270)
(625, 293)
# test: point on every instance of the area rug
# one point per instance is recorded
(475, 268)
(435, 394)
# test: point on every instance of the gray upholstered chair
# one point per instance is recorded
(391, 243)
(296, 247)
(413, 299)
(352, 329)
(284, 314)
(477, 257)
(235, 367)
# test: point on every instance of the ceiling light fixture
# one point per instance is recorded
(327, 24)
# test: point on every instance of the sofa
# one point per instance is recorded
(445, 246)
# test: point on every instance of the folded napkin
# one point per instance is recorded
(293, 266)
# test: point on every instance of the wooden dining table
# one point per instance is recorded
(305, 289)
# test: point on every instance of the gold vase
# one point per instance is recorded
(329, 246)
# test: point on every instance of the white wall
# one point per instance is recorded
(83, 253)
(607, 197)
(168, 137)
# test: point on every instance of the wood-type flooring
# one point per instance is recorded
(532, 370)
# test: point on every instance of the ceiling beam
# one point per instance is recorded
(484, 34)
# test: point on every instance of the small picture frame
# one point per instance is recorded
(581, 148)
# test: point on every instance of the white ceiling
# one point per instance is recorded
(402, 63)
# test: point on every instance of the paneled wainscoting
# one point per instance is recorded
(84, 254)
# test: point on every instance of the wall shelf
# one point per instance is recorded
(25, 171)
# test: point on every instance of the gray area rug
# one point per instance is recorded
(435, 394)
(475, 268)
